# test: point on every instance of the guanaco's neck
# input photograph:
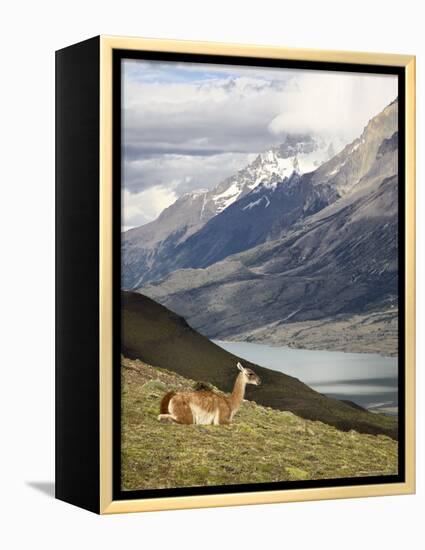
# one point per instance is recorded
(238, 392)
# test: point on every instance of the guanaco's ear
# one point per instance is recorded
(240, 367)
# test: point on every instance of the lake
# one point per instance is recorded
(366, 379)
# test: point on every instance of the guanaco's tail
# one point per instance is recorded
(165, 400)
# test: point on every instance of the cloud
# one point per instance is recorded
(143, 207)
(334, 104)
(182, 173)
(188, 126)
(216, 116)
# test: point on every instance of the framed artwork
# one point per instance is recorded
(235, 274)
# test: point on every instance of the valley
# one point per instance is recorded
(157, 336)
(299, 256)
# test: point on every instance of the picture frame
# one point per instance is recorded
(89, 304)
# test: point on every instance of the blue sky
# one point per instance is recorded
(162, 73)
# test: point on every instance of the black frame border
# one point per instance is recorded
(400, 72)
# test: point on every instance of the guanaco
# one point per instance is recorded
(206, 406)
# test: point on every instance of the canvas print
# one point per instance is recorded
(259, 275)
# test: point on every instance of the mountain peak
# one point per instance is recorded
(298, 153)
(346, 169)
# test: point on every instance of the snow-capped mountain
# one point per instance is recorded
(145, 247)
(298, 153)
(333, 264)
(261, 215)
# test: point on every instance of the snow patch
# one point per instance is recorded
(227, 197)
(291, 315)
(257, 203)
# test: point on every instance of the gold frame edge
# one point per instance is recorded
(106, 504)
(105, 276)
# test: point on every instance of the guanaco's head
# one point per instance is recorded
(249, 375)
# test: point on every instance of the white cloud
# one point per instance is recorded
(141, 208)
(188, 126)
(334, 104)
(182, 173)
(219, 116)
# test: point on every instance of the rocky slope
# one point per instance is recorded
(346, 169)
(375, 332)
(260, 216)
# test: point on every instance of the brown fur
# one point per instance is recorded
(206, 406)
(163, 409)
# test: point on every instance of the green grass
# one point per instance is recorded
(261, 445)
(157, 336)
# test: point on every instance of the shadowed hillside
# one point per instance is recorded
(159, 337)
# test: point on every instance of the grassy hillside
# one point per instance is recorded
(261, 445)
(157, 336)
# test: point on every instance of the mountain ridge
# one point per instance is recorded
(151, 244)
(339, 261)
(181, 239)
